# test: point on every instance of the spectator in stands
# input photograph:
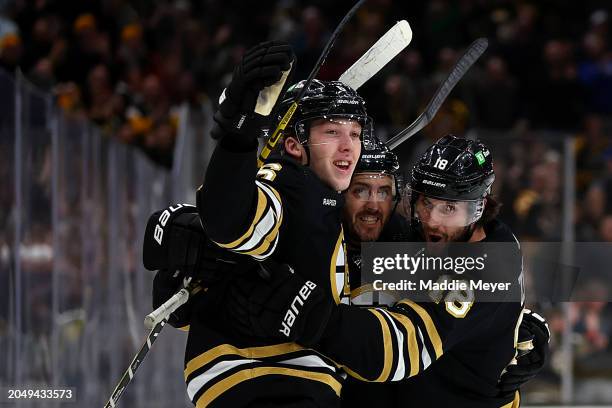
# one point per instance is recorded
(496, 98)
(595, 73)
(11, 51)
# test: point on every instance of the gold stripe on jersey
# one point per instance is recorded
(430, 326)
(249, 352)
(412, 346)
(262, 236)
(250, 373)
(261, 248)
(333, 268)
(261, 206)
(268, 239)
(516, 402)
(388, 347)
(276, 194)
(367, 288)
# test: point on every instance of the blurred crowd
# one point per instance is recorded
(129, 67)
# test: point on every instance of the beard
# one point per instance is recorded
(365, 227)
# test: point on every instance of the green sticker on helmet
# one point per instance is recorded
(480, 157)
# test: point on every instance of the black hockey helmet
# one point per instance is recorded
(325, 100)
(454, 169)
(381, 160)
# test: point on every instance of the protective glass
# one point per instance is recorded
(437, 212)
(363, 191)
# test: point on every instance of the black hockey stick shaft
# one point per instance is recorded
(278, 132)
(471, 55)
(138, 358)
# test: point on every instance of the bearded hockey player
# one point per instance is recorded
(472, 341)
(368, 215)
(289, 212)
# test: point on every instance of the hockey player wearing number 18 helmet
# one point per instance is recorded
(450, 191)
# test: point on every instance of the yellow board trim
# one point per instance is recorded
(250, 352)
(250, 373)
(412, 345)
(261, 206)
(432, 332)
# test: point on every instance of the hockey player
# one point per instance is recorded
(472, 341)
(372, 196)
(289, 212)
(369, 216)
(370, 203)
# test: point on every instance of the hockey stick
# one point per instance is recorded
(278, 132)
(470, 56)
(154, 321)
(384, 50)
(161, 313)
(134, 364)
(376, 57)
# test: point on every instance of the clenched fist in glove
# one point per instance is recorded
(286, 306)
(175, 241)
(176, 246)
(257, 83)
(534, 332)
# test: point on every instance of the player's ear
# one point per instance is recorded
(295, 149)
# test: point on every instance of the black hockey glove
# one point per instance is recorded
(530, 361)
(175, 241)
(175, 244)
(257, 83)
(285, 306)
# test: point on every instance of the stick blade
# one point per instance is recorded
(384, 50)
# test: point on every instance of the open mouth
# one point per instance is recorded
(435, 237)
(343, 165)
(369, 219)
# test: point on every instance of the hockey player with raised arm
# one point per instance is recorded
(368, 215)
(288, 211)
(473, 341)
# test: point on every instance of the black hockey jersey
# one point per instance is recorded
(471, 350)
(286, 214)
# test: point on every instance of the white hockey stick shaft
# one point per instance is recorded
(177, 300)
(384, 50)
